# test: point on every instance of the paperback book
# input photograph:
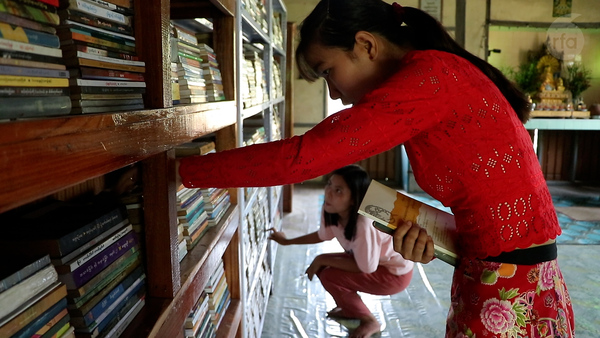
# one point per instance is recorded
(388, 207)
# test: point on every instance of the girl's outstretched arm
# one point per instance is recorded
(279, 237)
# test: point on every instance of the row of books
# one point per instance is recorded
(195, 73)
(208, 312)
(254, 80)
(95, 254)
(68, 56)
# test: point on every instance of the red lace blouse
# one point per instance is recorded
(466, 145)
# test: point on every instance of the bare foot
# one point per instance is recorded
(336, 313)
(368, 326)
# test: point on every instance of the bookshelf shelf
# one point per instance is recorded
(252, 29)
(75, 148)
(255, 110)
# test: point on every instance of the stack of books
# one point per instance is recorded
(257, 12)
(192, 215)
(96, 254)
(188, 66)
(219, 296)
(98, 45)
(212, 74)
(277, 80)
(198, 323)
(175, 95)
(33, 78)
(216, 203)
(255, 71)
(32, 301)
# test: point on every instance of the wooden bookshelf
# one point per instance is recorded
(41, 157)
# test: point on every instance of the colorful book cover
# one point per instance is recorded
(388, 207)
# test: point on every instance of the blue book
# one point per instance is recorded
(119, 290)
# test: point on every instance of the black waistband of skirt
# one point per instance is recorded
(529, 256)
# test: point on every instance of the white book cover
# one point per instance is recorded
(388, 207)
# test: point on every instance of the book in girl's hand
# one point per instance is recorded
(388, 207)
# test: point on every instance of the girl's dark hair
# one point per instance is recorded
(358, 181)
(334, 23)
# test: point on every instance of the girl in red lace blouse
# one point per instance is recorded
(461, 122)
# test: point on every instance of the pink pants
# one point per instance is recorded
(343, 287)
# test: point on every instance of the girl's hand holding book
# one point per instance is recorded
(413, 242)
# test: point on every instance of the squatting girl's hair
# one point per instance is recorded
(358, 181)
(334, 23)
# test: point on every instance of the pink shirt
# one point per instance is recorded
(370, 247)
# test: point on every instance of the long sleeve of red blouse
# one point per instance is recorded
(386, 119)
(466, 145)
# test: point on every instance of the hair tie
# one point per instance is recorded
(399, 10)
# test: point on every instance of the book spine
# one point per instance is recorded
(29, 48)
(71, 51)
(90, 39)
(129, 313)
(50, 324)
(72, 266)
(35, 72)
(139, 64)
(50, 2)
(106, 103)
(29, 81)
(38, 5)
(122, 305)
(14, 297)
(100, 83)
(91, 230)
(32, 91)
(122, 3)
(31, 64)
(124, 39)
(25, 23)
(132, 272)
(127, 262)
(5, 54)
(92, 267)
(106, 109)
(128, 284)
(41, 320)
(23, 318)
(94, 21)
(107, 90)
(112, 7)
(57, 329)
(99, 11)
(35, 107)
(109, 74)
(30, 12)
(27, 35)
(23, 273)
(84, 248)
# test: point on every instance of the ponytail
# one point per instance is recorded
(334, 23)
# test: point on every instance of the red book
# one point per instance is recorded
(50, 2)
